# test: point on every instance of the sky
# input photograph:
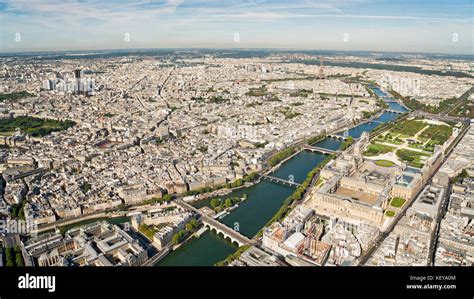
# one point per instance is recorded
(360, 25)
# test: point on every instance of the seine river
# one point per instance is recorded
(264, 199)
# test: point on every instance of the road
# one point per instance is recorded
(434, 236)
(461, 100)
(382, 236)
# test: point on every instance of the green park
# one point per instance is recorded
(413, 141)
(33, 126)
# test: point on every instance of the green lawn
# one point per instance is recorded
(390, 213)
(437, 133)
(397, 202)
(411, 157)
(148, 230)
(409, 127)
(376, 149)
(429, 146)
(416, 145)
(384, 163)
(393, 141)
(389, 138)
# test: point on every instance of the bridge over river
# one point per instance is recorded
(283, 182)
(233, 235)
(320, 149)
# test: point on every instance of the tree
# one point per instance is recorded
(86, 187)
(9, 252)
(9, 257)
(175, 239)
(250, 177)
(215, 202)
(194, 223)
(14, 211)
(181, 234)
(19, 260)
(167, 197)
(189, 227)
(228, 202)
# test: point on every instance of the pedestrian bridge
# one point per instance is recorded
(283, 182)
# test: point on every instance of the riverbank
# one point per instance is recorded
(266, 201)
(206, 250)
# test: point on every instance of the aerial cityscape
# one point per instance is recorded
(234, 153)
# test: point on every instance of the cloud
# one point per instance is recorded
(85, 22)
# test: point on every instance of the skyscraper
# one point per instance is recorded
(77, 74)
(46, 85)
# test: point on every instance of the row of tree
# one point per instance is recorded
(164, 198)
(218, 204)
(179, 236)
(237, 183)
(14, 257)
(233, 256)
(347, 143)
(314, 139)
(277, 158)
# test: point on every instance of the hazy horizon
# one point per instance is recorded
(92, 51)
(340, 25)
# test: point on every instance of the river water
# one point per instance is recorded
(299, 166)
(265, 199)
(206, 250)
